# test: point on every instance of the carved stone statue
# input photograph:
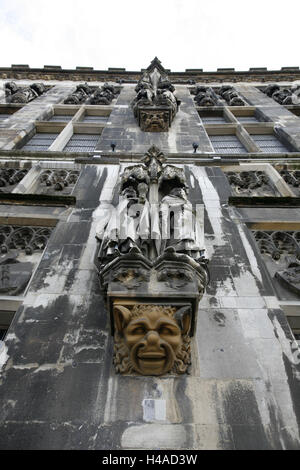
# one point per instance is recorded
(155, 105)
(125, 226)
(180, 227)
(104, 95)
(204, 96)
(229, 94)
(80, 95)
(281, 95)
(150, 245)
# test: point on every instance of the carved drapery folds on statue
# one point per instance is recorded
(283, 95)
(17, 94)
(20, 250)
(152, 267)
(155, 105)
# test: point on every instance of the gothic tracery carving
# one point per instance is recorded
(283, 250)
(230, 95)
(292, 178)
(204, 96)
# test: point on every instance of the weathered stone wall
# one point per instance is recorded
(58, 388)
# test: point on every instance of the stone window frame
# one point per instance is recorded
(79, 111)
(8, 309)
(243, 130)
(66, 130)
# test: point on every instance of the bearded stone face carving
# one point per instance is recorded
(152, 339)
(152, 268)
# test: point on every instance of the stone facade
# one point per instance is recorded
(68, 377)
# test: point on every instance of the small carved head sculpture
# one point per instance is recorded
(152, 339)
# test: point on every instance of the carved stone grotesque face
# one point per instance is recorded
(150, 341)
(155, 121)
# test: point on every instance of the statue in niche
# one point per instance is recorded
(152, 339)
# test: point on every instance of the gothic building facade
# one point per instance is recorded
(149, 258)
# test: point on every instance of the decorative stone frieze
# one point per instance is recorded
(281, 252)
(230, 95)
(10, 177)
(292, 178)
(155, 105)
(17, 94)
(251, 183)
(152, 267)
(283, 95)
(19, 247)
(52, 180)
(93, 95)
(105, 94)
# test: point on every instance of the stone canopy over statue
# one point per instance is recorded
(152, 267)
(155, 105)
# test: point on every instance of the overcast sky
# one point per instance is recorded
(129, 33)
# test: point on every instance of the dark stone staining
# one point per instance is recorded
(89, 178)
(242, 414)
(220, 318)
(195, 193)
(292, 178)
(219, 182)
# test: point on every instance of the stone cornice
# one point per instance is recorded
(23, 72)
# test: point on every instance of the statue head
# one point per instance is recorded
(152, 339)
